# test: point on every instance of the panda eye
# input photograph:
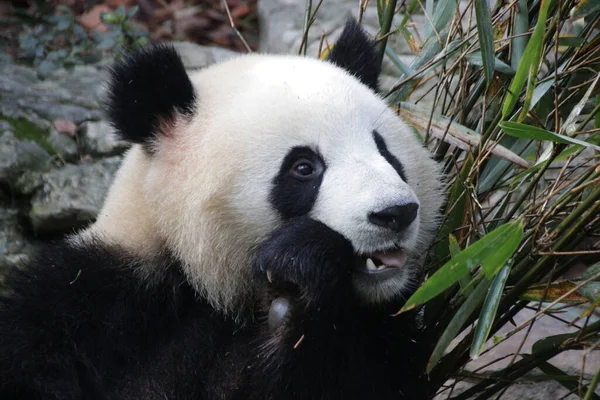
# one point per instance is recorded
(303, 169)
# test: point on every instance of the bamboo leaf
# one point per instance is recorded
(476, 59)
(527, 66)
(427, 27)
(591, 291)
(443, 13)
(486, 38)
(590, 272)
(491, 252)
(531, 132)
(553, 292)
(405, 69)
(585, 7)
(458, 321)
(488, 311)
(589, 394)
(464, 281)
(457, 204)
(540, 91)
(520, 27)
(570, 41)
(569, 125)
(553, 342)
(452, 132)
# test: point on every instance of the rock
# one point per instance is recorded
(65, 147)
(27, 183)
(282, 27)
(73, 94)
(18, 156)
(99, 139)
(195, 56)
(15, 249)
(71, 196)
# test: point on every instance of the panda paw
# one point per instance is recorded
(307, 260)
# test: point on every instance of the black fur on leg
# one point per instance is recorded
(356, 53)
(307, 257)
(146, 91)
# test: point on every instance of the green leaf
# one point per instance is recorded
(520, 27)
(457, 323)
(591, 291)
(570, 41)
(464, 281)
(457, 202)
(405, 69)
(539, 92)
(569, 125)
(491, 252)
(528, 66)
(488, 311)
(585, 7)
(429, 12)
(486, 38)
(476, 59)
(443, 14)
(531, 132)
(590, 272)
(132, 11)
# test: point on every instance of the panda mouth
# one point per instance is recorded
(382, 261)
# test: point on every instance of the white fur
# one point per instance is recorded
(203, 195)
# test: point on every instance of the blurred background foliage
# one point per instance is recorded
(54, 34)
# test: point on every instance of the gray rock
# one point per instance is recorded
(67, 94)
(5, 126)
(10, 109)
(99, 139)
(195, 56)
(15, 249)
(282, 27)
(18, 156)
(65, 147)
(27, 183)
(71, 196)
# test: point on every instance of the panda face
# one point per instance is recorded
(327, 147)
(226, 155)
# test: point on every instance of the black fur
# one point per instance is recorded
(355, 52)
(293, 197)
(81, 324)
(86, 323)
(146, 91)
(390, 158)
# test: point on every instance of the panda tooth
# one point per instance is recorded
(382, 266)
(371, 265)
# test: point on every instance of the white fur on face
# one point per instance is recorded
(206, 188)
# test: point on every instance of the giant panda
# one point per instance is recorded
(269, 219)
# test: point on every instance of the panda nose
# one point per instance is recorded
(396, 217)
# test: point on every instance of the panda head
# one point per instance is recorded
(225, 155)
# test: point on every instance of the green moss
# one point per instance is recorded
(27, 130)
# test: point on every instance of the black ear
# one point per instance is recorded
(355, 52)
(147, 91)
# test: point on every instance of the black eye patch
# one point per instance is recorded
(389, 157)
(294, 190)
